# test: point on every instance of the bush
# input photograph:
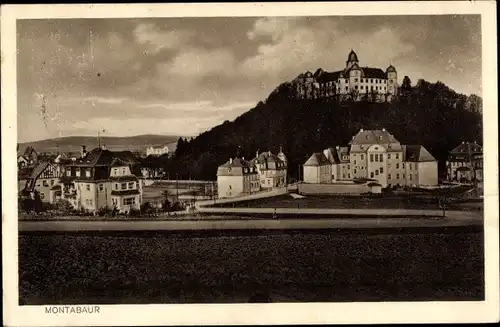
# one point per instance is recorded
(63, 206)
(134, 213)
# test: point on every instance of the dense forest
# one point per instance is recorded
(430, 114)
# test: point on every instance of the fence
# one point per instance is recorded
(307, 188)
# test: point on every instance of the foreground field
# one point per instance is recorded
(226, 267)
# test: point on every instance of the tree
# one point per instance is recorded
(406, 85)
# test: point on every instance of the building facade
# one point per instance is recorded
(157, 150)
(465, 163)
(103, 179)
(271, 168)
(377, 155)
(43, 178)
(317, 169)
(237, 177)
(353, 83)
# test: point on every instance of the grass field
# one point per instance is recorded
(230, 267)
(354, 202)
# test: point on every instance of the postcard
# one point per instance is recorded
(250, 163)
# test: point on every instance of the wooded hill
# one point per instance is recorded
(430, 114)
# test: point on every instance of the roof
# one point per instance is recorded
(125, 192)
(465, 147)
(329, 76)
(373, 137)
(29, 150)
(370, 72)
(317, 159)
(101, 157)
(25, 172)
(39, 168)
(352, 56)
(237, 163)
(417, 153)
(390, 69)
(463, 169)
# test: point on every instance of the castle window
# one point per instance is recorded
(372, 87)
(397, 176)
(397, 155)
(388, 156)
(346, 88)
(362, 157)
(397, 166)
(388, 176)
(361, 86)
(371, 80)
(390, 82)
(355, 80)
(88, 187)
(371, 157)
(356, 87)
(381, 170)
(371, 174)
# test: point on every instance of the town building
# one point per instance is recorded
(157, 150)
(465, 163)
(271, 168)
(237, 177)
(28, 157)
(103, 179)
(354, 83)
(317, 169)
(42, 178)
(377, 155)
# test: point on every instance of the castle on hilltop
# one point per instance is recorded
(353, 83)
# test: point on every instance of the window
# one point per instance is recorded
(381, 170)
(355, 87)
(68, 172)
(355, 79)
(77, 172)
(371, 80)
(376, 172)
(403, 176)
(410, 177)
(45, 183)
(409, 165)
(88, 187)
(349, 175)
(371, 157)
(131, 185)
(397, 166)
(390, 81)
(90, 202)
(354, 161)
(348, 166)
(230, 187)
(361, 80)
(343, 176)
(397, 176)
(371, 174)
(124, 186)
(355, 171)
(52, 182)
(42, 196)
(376, 157)
(388, 156)
(361, 86)
(346, 88)
(388, 176)
(123, 171)
(101, 187)
(129, 201)
(116, 186)
(381, 157)
(87, 173)
(362, 157)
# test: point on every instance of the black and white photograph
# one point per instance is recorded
(256, 159)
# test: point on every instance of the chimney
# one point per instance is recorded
(269, 152)
(361, 130)
(103, 147)
(230, 160)
(243, 158)
(257, 154)
(337, 147)
(83, 151)
(383, 129)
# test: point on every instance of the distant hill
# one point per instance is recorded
(429, 114)
(73, 143)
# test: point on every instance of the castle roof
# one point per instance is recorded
(390, 69)
(369, 72)
(352, 56)
(317, 159)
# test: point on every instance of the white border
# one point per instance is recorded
(305, 313)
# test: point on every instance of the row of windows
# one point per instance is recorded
(123, 186)
(88, 202)
(362, 88)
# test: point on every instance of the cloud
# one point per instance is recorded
(150, 35)
(198, 63)
(272, 27)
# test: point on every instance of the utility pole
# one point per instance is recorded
(177, 185)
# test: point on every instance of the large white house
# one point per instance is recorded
(237, 177)
(378, 155)
(272, 169)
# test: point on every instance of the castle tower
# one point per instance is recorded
(282, 156)
(351, 60)
(392, 81)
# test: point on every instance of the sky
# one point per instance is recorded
(183, 76)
